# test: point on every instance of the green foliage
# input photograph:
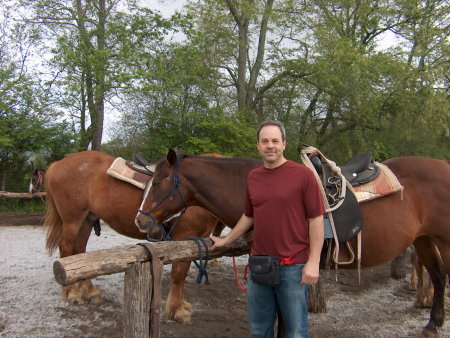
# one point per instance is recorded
(320, 72)
(22, 205)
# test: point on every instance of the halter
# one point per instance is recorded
(176, 183)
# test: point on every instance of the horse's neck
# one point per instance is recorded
(220, 186)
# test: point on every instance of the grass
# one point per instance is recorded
(35, 205)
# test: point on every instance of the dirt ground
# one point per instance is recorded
(31, 304)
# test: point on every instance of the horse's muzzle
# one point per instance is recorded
(147, 224)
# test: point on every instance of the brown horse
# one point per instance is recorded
(80, 192)
(37, 180)
(419, 215)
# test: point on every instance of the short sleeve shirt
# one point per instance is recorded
(281, 200)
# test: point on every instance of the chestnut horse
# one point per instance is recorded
(80, 192)
(37, 180)
(419, 215)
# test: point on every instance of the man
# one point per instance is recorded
(284, 205)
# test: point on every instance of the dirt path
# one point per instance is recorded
(31, 304)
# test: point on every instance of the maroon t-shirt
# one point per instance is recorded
(281, 200)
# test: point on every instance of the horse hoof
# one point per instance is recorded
(75, 300)
(419, 304)
(187, 306)
(96, 299)
(429, 332)
(182, 317)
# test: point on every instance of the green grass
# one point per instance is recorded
(22, 205)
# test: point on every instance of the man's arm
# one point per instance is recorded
(310, 274)
(242, 226)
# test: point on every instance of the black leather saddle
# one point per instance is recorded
(359, 170)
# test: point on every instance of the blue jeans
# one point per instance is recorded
(289, 295)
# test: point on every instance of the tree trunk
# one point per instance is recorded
(97, 115)
(3, 180)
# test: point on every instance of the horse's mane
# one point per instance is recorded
(223, 159)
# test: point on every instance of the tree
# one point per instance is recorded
(95, 43)
(26, 125)
(177, 104)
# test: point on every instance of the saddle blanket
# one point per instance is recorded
(385, 183)
(120, 170)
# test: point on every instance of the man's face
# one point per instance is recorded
(270, 144)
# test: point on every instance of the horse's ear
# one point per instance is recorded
(172, 157)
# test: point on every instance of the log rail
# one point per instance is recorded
(21, 195)
(92, 264)
(135, 261)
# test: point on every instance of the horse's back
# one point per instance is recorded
(420, 168)
(427, 176)
(72, 180)
(426, 181)
(85, 164)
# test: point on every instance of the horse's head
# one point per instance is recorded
(164, 197)
(37, 180)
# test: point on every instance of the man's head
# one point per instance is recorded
(271, 123)
(271, 143)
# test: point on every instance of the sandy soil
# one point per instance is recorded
(31, 304)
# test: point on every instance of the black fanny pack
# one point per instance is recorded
(264, 269)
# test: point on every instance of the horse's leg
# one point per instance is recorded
(427, 253)
(66, 248)
(194, 223)
(413, 279)
(420, 296)
(177, 308)
(73, 241)
(429, 293)
(88, 290)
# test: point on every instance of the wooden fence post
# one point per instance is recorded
(139, 281)
(137, 296)
(316, 298)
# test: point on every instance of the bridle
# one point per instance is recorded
(37, 180)
(173, 190)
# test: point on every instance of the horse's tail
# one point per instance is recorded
(52, 222)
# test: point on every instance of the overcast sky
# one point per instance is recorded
(166, 7)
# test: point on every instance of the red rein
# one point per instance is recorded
(243, 288)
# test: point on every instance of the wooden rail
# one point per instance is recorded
(21, 195)
(135, 261)
(92, 264)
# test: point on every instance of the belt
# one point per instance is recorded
(288, 261)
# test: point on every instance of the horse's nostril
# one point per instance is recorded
(138, 222)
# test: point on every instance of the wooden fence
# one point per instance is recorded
(21, 195)
(135, 261)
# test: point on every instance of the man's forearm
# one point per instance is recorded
(242, 226)
(316, 238)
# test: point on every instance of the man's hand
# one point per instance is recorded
(310, 273)
(219, 242)
(242, 226)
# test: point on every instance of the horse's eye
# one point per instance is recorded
(155, 184)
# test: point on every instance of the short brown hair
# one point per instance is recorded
(271, 123)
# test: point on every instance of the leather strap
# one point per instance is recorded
(155, 306)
